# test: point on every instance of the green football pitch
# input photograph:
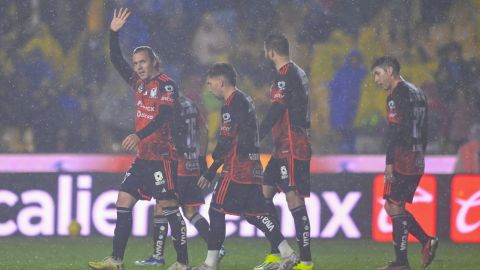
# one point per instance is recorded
(242, 254)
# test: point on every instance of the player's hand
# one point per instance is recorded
(203, 182)
(388, 175)
(131, 141)
(119, 19)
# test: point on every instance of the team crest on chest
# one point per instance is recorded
(391, 105)
(140, 88)
(153, 92)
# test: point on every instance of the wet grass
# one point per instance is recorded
(242, 254)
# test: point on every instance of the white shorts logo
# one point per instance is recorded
(159, 178)
(283, 172)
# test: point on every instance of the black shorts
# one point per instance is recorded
(190, 194)
(238, 199)
(402, 189)
(278, 173)
(151, 178)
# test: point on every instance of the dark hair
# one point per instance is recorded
(278, 42)
(387, 61)
(151, 54)
(224, 69)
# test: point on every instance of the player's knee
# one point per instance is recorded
(268, 191)
(294, 200)
(393, 209)
(166, 203)
(125, 200)
(189, 212)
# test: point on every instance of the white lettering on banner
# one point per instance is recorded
(42, 207)
(64, 203)
(465, 206)
(10, 199)
(140, 217)
(104, 213)
(383, 220)
(341, 218)
(40, 211)
(84, 203)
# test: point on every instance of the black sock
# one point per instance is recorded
(216, 235)
(160, 230)
(269, 227)
(201, 224)
(274, 216)
(123, 228)
(400, 237)
(179, 232)
(416, 230)
(302, 229)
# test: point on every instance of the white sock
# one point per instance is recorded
(285, 249)
(212, 258)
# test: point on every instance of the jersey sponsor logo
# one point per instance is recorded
(141, 114)
(169, 88)
(465, 205)
(192, 165)
(281, 85)
(225, 128)
(167, 98)
(423, 208)
(153, 93)
(148, 108)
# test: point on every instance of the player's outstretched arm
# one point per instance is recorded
(119, 19)
(120, 64)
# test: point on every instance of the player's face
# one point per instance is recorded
(143, 65)
(215, 86)
(382, 77)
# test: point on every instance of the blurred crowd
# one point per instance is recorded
(59, 92)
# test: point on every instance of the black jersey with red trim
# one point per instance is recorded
(186, 133)
(152, 96)
(241, 159)
(407, 117)
(290, 89)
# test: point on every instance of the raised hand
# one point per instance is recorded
(119, 19)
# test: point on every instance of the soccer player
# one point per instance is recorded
(239, 190)
(289, 167)
(405, 158)
(190, 135)
(153, 173)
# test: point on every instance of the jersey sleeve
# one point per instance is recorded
(168, 94)
(279, 91)
(397, 113)
(119, 62)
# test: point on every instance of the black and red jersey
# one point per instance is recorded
(156, 101)
(407, 129)
(238, 144)
(186, 135)
(289, 114)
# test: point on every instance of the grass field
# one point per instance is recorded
(242, 254)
